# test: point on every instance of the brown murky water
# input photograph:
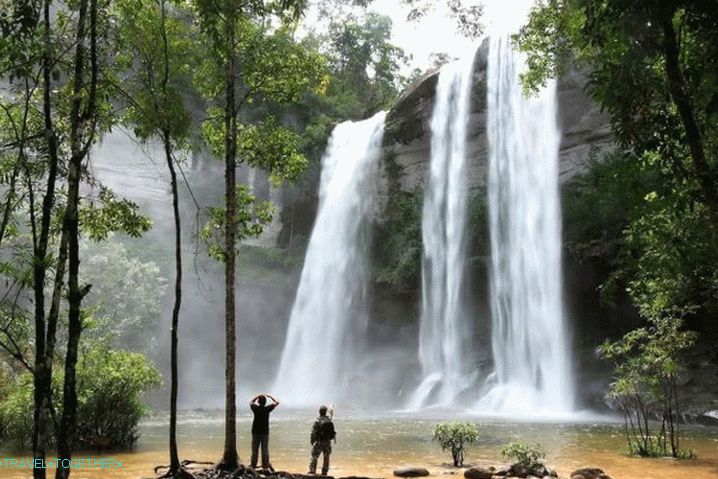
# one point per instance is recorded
(375, 446)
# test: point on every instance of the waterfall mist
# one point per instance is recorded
(445, 321)
(530, 341)
(327, 326)
(262, 305)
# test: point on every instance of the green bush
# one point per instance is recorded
(648, 363)
(529, 455)
(454, 437)
(110, 386)
(16, 404)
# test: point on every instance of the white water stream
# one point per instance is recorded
(329, 317)
(445, 322)
(530, 340)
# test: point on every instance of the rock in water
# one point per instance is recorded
(411, 471)
(478, 473)
(708, 418)
(589, 473)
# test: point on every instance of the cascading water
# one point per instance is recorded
(329, 317)
(444, 323)
(530, 341)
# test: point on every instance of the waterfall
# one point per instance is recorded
(530, 341)
(329, 317)
(444, 322)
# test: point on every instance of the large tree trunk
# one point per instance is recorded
(230, 458)
(82, 124)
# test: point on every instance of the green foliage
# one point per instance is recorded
(468, 18)
(274, 149)
(528, 455)
(16, 412)
(398, 243)
(109, 214)
(264, 144)
(363, 74)
(154, 32)
(599, 205)
(365, 61)
(673, 271)
(126, 296)
(454, 437)
(652, 67)
(16, 329)
(110, 385)
(19, 37)
(275, 68)
(279, 69)
(251, 218)
(647, 364)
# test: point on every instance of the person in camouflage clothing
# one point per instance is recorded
(321, 439)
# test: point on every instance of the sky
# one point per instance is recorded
(437, 32)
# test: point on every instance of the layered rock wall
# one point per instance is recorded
(408, 133)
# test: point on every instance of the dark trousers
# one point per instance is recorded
(320, 447)
(260, 440)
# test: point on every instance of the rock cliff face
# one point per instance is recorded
(404, 168)
(408, 134)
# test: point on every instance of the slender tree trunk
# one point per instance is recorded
(676, 85)
(42, 380)
(674, 389)
(230, 458)
(175, 467)
(174, 455)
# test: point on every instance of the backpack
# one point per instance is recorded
(325, 431)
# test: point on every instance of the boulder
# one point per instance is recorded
(708, 418)
(589, 473)
(478, 473)
(520, 470)
(411, 471)
(524, 471)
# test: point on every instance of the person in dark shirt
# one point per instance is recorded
(260, 428)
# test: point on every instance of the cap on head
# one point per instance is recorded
(262, 400)
(322, 410)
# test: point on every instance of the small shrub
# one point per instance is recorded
(529, 455)
(454, 437)
(648, 362)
